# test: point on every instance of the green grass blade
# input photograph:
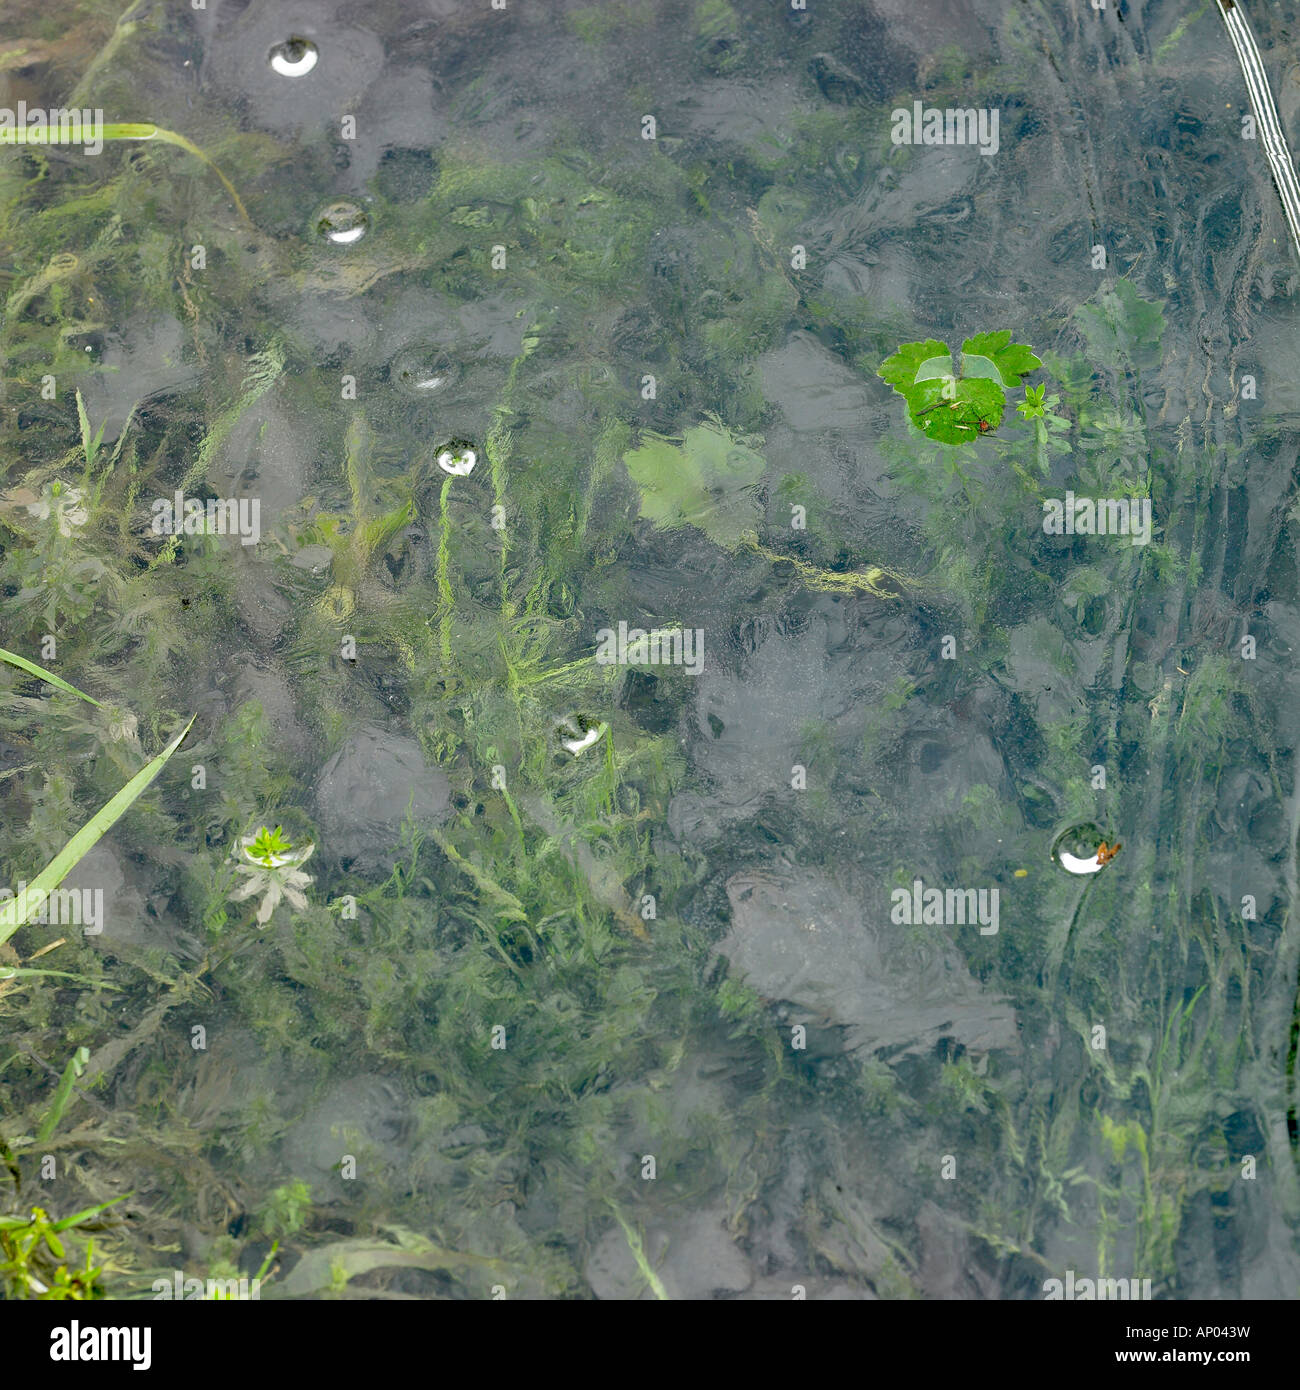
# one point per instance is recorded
(260, 1276)
(33, 669)
(122, 130)
(635, 1245)
(15, 911)
(87, 443)
(62, 1095)
(171, 138)
(17, 972)
(121, 438)
(89, 1212)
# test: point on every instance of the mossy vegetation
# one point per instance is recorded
(500, 1016)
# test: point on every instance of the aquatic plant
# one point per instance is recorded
(709, 479)
(15, 911)
(559, 900)
(957, 407)
(1051, 429)
(704, 479)
(120, 130)
(34, 1259)
(32, 669)
(64, 503)
(272, 867)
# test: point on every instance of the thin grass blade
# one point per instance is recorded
(87, 1213)
(63, 1095)
(18, 972)
(33, 669)
(15, 912)
(121, 130)
(87, 442)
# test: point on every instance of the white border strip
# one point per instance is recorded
(1261, 100)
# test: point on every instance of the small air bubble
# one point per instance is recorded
(421, 370)
(1076, 849)
(341, 224)
(577, 733)
(294, 57)
(457, 458)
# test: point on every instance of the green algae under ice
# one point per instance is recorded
(511, 375)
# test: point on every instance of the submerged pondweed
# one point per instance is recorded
(648, 634)
(62, 502)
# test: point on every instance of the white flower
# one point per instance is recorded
(276, 877)
(64, 502)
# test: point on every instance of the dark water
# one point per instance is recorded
(642, 1020)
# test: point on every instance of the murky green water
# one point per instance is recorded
(682, 735)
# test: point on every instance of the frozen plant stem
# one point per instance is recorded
(445, 599)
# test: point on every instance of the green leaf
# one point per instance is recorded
(957, 409)
(62, 1095)
(85, 1215)
(1010, 360)
(972, 364)
(87, 444)
(933, 368)
(33, 669)
(15, 911)
(706, 480)
(1120, 326)
(267, 844)
(954, 418)
(902, 368)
